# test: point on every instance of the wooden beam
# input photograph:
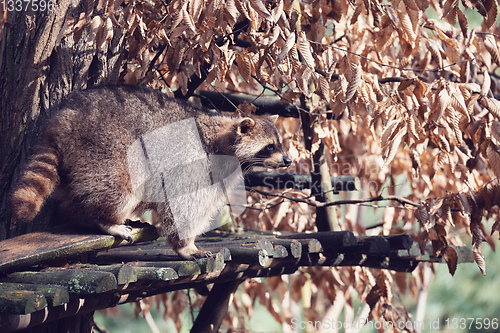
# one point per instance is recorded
(123, 273)
(155, 274)
(330, 240)
(55, 295)
(76, 280)
(60, 243)
(21, 301)
(215, 307)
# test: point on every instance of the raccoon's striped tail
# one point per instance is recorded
(36, 183)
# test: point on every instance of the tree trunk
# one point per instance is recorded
(41, 62)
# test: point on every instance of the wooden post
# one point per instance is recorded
(215, 307)
(321, 186)
(326, 217)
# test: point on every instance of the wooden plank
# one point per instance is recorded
(310, 245)
(21, 301)
(331, 241)
(64, 318)
(147, 274)
(76, 280)
(375, 261)
(123, 273)
(400, 241)
(212, 264)
(250, 255)
(55, 295)
(280, 252)
(293, 246)
(371, 245)
(182, 268)
(59, 243)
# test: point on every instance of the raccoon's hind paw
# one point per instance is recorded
(119, 230)
(192, 253)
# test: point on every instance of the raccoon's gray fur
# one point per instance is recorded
(82, 158)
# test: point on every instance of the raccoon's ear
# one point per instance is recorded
(245, 125)
(273, 118)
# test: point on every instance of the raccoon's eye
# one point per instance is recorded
(270, 147)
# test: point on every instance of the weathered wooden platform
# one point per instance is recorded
(46, 276)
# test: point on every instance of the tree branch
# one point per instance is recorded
(316, 204)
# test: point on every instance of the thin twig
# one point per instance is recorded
(486, 33)
(316, 204)
(386, 65)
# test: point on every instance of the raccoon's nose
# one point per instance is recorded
(286, 161)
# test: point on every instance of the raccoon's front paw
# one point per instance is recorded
(119, 230)
(192, 252)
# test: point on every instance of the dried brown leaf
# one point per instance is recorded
(451, 258)
(324, 88)
(232, 11)
(470, 104)
(450, 11)
(389, 130)
(305, 50)
(452, 49)
(479, 259)
(356, 13)
(391, 149)
(182, 81)
(448, 218)
(244, 67)
(435, 205)
(196, 8)
(485, 88)
(462, 21)
(440, 160)
(436, 53)
(242, 7)
(420, 89)
(491, 15)
(443, 143)
(353, 76)
(290, 42)
(495, 134)
(277, 11)
(179, 16)
(478, 237)
(442, 103)
(384, 38)
(453, 122)
(491, 45)
(94, 27)
(329, 62)
(261, 9)
(188, 21)
(373, 297)
(408, 33)
(411, 4)
(492, 105)
(493, 155)
(458, 103)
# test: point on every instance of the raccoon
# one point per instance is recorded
(83, 160)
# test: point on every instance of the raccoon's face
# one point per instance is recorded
(259, 144)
